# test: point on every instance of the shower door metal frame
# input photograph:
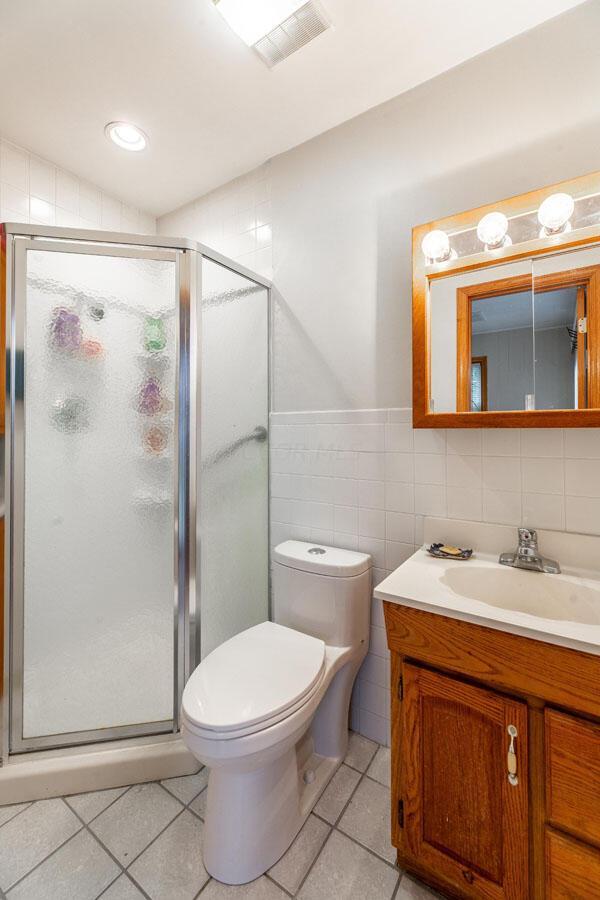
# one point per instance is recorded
(187, 610)
(15, 390)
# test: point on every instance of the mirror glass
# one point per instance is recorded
(516, 336)
(502, 371)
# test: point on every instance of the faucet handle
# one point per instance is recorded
(527, 536)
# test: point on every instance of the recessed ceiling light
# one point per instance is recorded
(127, 136)
(253, 19)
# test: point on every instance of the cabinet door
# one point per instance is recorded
(464, 819)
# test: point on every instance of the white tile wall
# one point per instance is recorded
(33, 190)
(364, 479)
(234, 219)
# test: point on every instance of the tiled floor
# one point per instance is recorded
(144, 841)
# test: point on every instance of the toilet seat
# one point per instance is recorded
(253, 681)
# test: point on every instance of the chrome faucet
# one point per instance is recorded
(527, 555)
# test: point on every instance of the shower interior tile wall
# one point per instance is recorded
(35, 191)
(365, 479)
(234, 219)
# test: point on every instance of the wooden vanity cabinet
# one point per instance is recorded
(459, 822)
(461, 815)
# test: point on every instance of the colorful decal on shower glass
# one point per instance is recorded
(150, 397)
(71, 415)
(155, 338)
(92, 349)
(65, 329)
(156, 439)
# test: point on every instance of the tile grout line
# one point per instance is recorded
(104, 847)
(333, 828)
(317, 857)
(18, 813)
(83, 828)
(129, 879)
(127, 788)
(155, 838)
(276, 883)
(42, 861)
(169, 791)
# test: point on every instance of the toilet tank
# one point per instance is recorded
(322, 591)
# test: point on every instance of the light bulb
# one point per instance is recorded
(126, 136)
(555, 212)
(436, 246)
(492, 230)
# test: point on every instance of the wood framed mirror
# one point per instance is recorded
(507, 333)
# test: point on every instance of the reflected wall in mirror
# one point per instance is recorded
(509, 336)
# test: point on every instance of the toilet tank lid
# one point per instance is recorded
(321, 559)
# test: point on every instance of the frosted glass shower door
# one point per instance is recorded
(95, 496)
(234, 482)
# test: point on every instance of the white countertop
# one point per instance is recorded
(559, 609)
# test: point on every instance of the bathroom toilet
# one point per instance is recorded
(267, 711)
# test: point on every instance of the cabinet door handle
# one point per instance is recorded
(512, 756)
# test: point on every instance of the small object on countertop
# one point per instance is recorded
(444, 551)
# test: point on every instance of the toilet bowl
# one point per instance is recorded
(267, 711)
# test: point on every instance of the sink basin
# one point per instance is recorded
(545, 596)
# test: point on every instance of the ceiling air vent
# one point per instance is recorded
(295, 32)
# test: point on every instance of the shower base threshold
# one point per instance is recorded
(93, 767)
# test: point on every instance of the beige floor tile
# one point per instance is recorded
(360, 752)
(122, 889)
(337, 793)
(199, 804)
(28, 838)
(186, 787)
(9, 812)
(380, 768)
(345, 871)
(172, 865)
(88, 806)
(413, 890)
(128, 826)
(293, 865)
(261, 889)
(367, 818)
(79, 869)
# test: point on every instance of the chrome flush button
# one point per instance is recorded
(317, 551)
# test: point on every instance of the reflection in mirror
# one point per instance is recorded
(567, 327)
(560, 377)
(473, 305)
(501, 352)
(516, 337)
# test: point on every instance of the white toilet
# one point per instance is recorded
(267, 711)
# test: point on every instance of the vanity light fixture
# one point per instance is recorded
(492, 231)
(126, 136)
(436, 246)
(554, 214)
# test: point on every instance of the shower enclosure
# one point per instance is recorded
(136, 478)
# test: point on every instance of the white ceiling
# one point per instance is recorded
(211, 108)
